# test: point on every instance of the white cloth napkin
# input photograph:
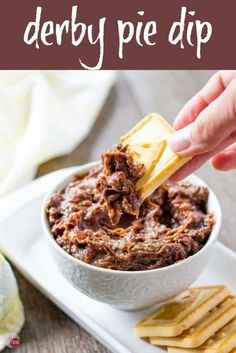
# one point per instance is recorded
(11, 309)
(44, 114)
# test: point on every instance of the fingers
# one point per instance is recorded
(199, 160)
(202, 138)
(190, 112)
(226, 159)
(214, 87)
(212, 126)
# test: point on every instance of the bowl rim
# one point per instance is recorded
(72, 171)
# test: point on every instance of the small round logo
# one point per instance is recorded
(13, 341)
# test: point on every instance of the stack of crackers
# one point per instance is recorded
(200, 320)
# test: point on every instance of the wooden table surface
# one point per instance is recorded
(136, 93)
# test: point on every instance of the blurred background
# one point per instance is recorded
(53, 120)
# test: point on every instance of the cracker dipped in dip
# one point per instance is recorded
(101, 218)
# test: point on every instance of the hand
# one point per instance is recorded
(207, 126)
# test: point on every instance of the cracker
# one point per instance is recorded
(148, 154)
(180, 313)
(223, 341)
(154, 128)
(212, 322)
(146, 143)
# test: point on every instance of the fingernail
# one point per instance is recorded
(180, 140)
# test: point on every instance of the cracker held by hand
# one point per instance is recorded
(149, 138)
(146, 143)
(181, 312)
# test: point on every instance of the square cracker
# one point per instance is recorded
(146, 142)
(199, 333)
(223, 341)
(180, 313)
(151, 129)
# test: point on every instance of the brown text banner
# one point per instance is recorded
(124, 34)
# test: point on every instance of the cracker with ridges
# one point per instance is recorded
(224, 341)
(180, 313)
(199, 333)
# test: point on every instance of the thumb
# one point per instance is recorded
(212, 126)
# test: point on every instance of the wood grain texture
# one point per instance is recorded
(136, 93)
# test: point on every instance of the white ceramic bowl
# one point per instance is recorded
(134, 289)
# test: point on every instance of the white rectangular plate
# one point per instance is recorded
(23, 242)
